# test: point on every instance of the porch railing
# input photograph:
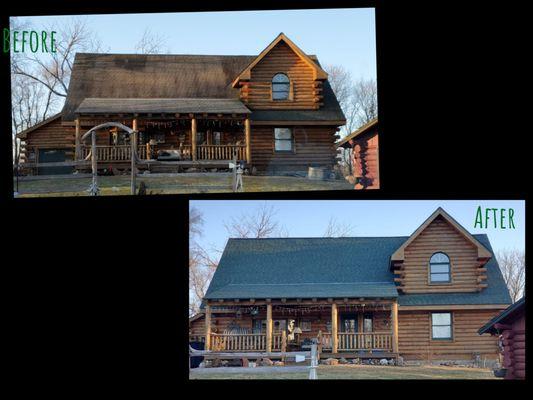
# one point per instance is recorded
(220, 152)
(244, 342)
(114, 153)
(203, 152)
(365, 341)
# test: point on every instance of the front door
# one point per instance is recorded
(349, 323)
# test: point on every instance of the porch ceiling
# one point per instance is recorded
(306, 290)
(95, 105)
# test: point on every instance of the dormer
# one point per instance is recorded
(282, 77)
(440, 257)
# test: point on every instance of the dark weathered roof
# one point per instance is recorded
(168, 76)
(507, 314)
(495, 293)
(22, 134)
(190, 105)
(360, 131)
(329, 267)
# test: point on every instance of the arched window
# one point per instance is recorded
(281, 87)
(439, 268)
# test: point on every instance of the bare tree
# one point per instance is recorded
(513, 266)
(202, 265)
(54, 69)
(365, 101)
(151, 43)
(261, 223)
(336, 228)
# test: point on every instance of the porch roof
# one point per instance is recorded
(305, 290)
(94, 105)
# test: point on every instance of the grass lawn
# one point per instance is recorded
(365, 372)
(182, 183)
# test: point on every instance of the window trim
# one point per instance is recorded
(289, 95)
(452, 336)
(449, 263)
(291, 151)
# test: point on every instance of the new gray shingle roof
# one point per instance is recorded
(329, 267)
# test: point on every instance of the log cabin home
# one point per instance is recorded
(510, 327)
(275, 111)
(421, 297)
(363, 149)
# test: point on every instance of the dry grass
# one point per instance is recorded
(366, 372)
(183, 183)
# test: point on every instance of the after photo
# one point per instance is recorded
(362, 290)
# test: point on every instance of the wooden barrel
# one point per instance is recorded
(318, 173)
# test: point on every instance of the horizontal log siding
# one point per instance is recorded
(257, 93)
(50, 136)
(440, 236)
(311, 145)
(415, 341)
(365, 160)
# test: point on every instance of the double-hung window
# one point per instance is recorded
(283, 139)
(441, 326)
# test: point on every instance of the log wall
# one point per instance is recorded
(466, 274)
(415, 342)
(306, 92)
(49, 136)
(514, 342)
(311, 145)
(365, 160)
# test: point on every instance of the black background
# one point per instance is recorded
(96, 289)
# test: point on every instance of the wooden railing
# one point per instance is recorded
(245, 342)
(365, 341)
(114, 153)
(238, 342)
(220, 152)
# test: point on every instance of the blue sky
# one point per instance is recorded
(338, 36)
(368, 218)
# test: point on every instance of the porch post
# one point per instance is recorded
(133, 143)
(193, 138)
(269, 328)
(207, 327)
(77, 149)
(334, 336)
(247, 137)
(394, 322)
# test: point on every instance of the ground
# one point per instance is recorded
(172, 184)
(366, 372)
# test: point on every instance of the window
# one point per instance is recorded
(283, 139)
(281, 87)
(441, 325)
(439, 268)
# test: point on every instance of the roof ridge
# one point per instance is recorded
(323, 237)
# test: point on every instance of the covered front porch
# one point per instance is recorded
(342, 328)
(174, 131)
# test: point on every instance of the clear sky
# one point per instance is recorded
(337, 36)
(368, 218)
